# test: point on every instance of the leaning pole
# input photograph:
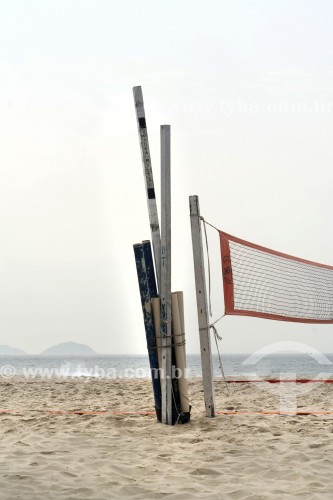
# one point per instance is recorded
(149, 180)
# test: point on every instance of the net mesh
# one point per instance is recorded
(261, 282)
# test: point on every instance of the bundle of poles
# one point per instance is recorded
(163, 311)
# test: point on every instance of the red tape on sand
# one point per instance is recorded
(278, 381)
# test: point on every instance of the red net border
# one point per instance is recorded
(228, 286)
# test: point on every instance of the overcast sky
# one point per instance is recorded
(247, 87)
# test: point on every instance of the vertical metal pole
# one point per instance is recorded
(149, 181)
(165, 287)
(202, 308)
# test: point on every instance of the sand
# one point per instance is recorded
(68, 455)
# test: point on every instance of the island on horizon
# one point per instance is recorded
(62, 349)
(69, 349)
(6, 350)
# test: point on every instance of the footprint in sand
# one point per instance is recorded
(203, 471)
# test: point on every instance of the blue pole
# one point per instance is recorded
(147, 286)
(176, 408)
(148, 256)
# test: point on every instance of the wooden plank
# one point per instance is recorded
(144, 267)
(149, 181)
(202, 308)
(179, 341)
(165, 287)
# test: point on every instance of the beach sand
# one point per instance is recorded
(123, 453)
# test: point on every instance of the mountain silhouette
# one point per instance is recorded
(7, 350)
(69, 348)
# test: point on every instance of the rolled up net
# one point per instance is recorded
(264, 283)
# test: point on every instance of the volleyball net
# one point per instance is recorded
(264, 283)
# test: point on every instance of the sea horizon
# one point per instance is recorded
(115, 366)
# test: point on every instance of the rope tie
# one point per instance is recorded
(192, 404)
(218, 337)
(208, 263)
(173, 344)
(209, 224)
(175, 405)
(173, 335)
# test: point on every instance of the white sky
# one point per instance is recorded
(248, 90)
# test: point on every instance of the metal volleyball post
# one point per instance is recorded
(149, 181)
(165, 284)
(202, 308)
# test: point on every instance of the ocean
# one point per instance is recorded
(313, 365)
